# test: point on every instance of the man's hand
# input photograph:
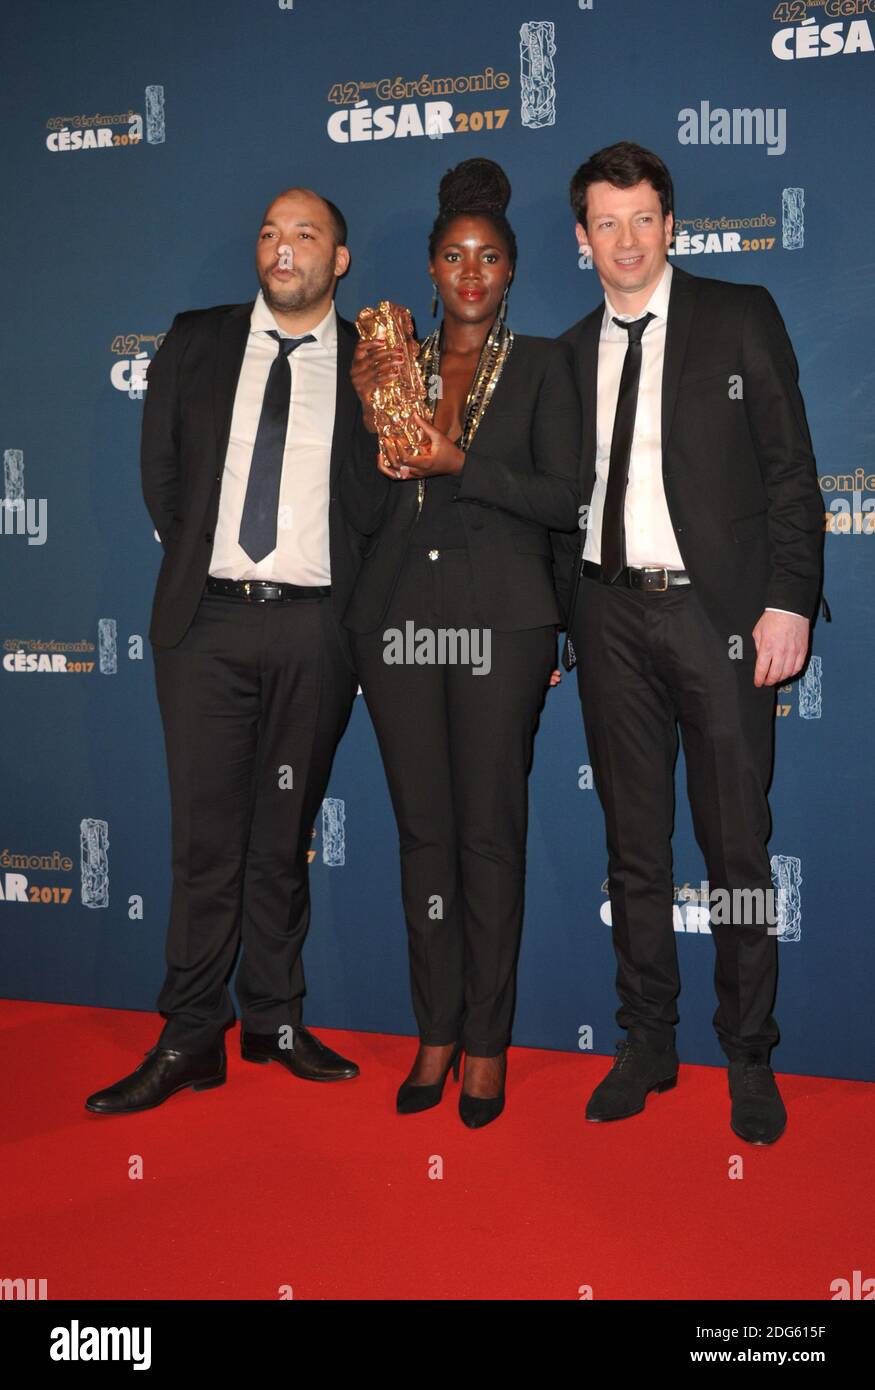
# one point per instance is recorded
(782, 645)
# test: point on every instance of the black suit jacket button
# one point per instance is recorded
(208, 537)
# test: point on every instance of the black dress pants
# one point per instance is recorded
(649, 663)
(457, 749)
(254, 700)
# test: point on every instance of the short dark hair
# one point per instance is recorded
(338, 222)
(622, 165)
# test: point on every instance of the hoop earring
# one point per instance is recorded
(434, 300)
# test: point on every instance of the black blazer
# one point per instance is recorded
(186, 423)
(519, 481)
(739, 474)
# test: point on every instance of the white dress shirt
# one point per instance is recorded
(650, 537)
(301, 553)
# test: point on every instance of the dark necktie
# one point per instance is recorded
(261, 507)
(613, 551)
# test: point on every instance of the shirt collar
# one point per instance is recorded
(657, 303)
(261, 320)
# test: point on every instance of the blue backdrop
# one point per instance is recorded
(141, 144)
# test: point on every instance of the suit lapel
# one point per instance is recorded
(233, 332)
(587, 379)
(681, 304)
(586, 360)
(345, 402)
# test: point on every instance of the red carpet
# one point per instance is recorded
(270, 1181)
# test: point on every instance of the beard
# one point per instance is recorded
(306, 289)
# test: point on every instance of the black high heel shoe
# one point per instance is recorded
(413, 1098)
(477, 1111)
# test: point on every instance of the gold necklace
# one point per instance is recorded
(490, 365)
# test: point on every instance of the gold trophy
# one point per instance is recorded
(394, 403)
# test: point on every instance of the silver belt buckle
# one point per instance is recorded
(656, 569)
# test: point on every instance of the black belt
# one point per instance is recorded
(263, 591)
(652, 578)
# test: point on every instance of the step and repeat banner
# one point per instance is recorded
(141, 144)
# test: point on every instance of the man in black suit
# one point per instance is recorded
(250, 422)
(689, 599)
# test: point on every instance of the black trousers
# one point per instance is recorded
(648, 664)
(457, 749)
(254, 700)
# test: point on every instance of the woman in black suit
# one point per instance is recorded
(453, 627)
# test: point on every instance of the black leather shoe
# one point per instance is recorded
(758, 1113)
(477, 1111)
(413, 1098)
(307, 1057)
(163, 1073)
(637, 1070)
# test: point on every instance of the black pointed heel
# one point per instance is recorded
(477, 1111)
(412, 1099)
